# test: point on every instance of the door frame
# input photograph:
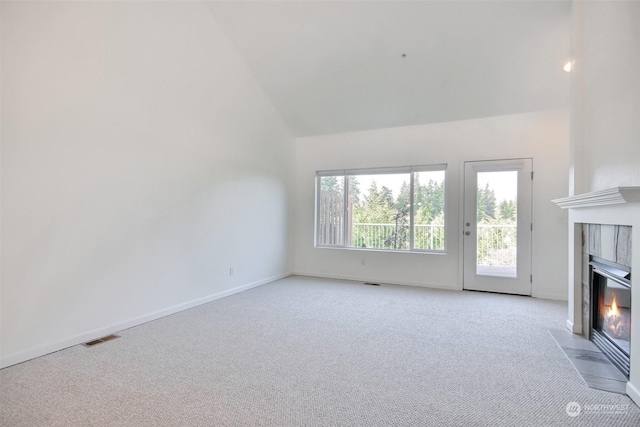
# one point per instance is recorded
(501, 282)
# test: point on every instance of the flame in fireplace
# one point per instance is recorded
(613, 311)
(616, 324)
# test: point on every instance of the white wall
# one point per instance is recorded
(140, 161)
(544, 136)
(0, 187)
(605, 134)
(608, 94)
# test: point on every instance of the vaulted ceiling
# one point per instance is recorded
(341, 66)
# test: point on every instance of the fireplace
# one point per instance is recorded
(611, 311)
(603, 224)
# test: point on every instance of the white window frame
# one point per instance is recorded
(346, 173)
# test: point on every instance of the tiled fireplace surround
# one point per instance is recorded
(610, 242)
(610, 217)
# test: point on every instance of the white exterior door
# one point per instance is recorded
(497, 226)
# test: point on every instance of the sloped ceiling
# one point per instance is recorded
(341, 66)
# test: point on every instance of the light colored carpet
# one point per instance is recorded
(309, 352)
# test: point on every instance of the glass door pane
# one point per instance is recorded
(497, 238)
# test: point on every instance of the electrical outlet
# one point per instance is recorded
(231, 271)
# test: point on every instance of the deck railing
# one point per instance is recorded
(496, 244)
(371, 235)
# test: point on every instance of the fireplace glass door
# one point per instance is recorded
(614, 312)
(611, 324)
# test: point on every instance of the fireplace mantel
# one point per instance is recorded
(610, 196)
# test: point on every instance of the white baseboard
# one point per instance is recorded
(633, 393)
(452, 287)
(554, 297)
(377, 280)
(570, 326)
(23, 356)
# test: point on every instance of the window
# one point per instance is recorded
(399, 209)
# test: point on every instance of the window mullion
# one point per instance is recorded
(318, 207)
(345, 225)
(411, 219)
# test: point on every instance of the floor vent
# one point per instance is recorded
(101, 340)
(372, 284)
